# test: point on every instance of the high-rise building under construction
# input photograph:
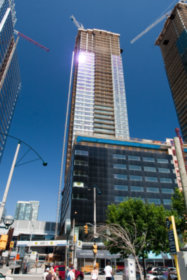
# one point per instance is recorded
(173, 44)
(98, 99)
(9, 69)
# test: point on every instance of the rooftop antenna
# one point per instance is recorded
(77, 24)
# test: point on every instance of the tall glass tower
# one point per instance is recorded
(9, 69)
(27, 210)
(173, 44)
(98, 100)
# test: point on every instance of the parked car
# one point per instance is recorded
(79, 275)
(4, 277)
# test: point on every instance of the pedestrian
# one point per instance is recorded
(57, 274)
(50, 276)
(66, 272)
(94, 273)
(108, 271)
(71, 274)
(45, 273)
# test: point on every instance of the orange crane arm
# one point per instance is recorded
(31, 40)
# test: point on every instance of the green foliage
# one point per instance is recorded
(149, 221)
(179, 211)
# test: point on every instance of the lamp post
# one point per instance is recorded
(2, 206)
(7, 221)
(74, 242)
(95, 188)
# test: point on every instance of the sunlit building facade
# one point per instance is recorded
(98, 99)
(173, 44)
(9, 69)
(122, 169)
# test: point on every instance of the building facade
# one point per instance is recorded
(122, 169)
(9, 69)
(173, 44)
(98, 99)
(27, 210)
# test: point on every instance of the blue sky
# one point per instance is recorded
(40, 111)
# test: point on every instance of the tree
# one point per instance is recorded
(179, 211)
(149, 221)
(121, 238)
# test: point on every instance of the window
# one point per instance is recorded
(154, 200)
(120, 198)
(153, 190)
(134, 158)
(137, 189)
(117, 156)
(121, 188)
(120, 176)
(81, 152)
(164, 170)
(149, 169)
(162, 160)
(166, 180)
(148, 159)
(167, 201)
(79, 173)
(151, 179)
(169, 191)
(135, 178)
(80, 162)
(119, 166)
(78, 184)
(135, 167)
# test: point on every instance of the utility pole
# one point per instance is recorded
(182, 168)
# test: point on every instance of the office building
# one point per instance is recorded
(122, 169)
(27, 210)
(98, 99)
(9, 69)
(173, 44)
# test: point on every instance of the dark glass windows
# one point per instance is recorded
(120, 176)
(81, 152)
(152, 190)
(151, 179)
(121, 187)
(118, 156)
(148, 159)
(119, 166)
(135, 158)
(162, 160)
(149, 169)
(135, 167)
(166, 180)
(135, 178)
(137, 189)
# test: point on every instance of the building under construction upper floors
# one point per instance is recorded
(98, 99)
(9, 69)
(173, 44)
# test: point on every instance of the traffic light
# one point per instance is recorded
(3, 241)
(94, 248)
(74, 238)
(86, 229)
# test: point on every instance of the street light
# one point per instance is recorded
(95, 188)
(44, 163)
(7, 221)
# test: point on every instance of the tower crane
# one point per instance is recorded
(150, 27)
(31, 40)
(77, 24)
